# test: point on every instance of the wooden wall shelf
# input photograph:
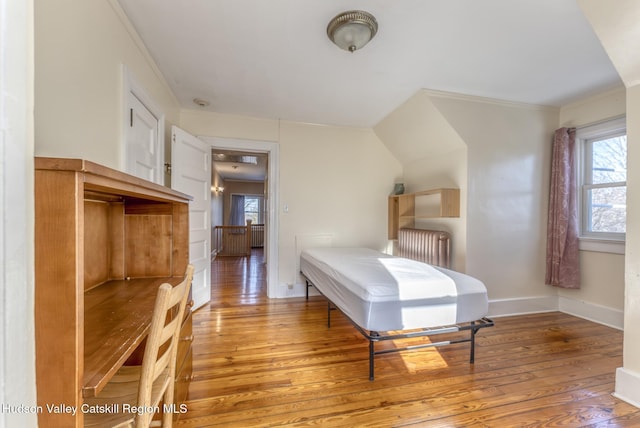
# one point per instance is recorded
(105, 241)
(444, 202)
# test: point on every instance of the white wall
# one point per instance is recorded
(504, 188)
(200, 122)
(501, 235)
(443, 170)
(508, 159)
(433, 156)
(17, 332)
(80, 48)
(416, 130)
(503, 176)
(333, 180)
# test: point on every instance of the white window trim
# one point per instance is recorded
(596, 242)
(601, 245)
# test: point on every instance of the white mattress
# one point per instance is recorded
(380, 292)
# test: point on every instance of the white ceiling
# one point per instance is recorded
(240, 166)
(272, 59)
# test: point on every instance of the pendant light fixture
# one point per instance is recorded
(352, 30)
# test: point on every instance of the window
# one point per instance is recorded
(603, 180)
(253, 209)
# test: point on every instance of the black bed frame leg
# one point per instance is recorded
(371, 354)
(474, 330)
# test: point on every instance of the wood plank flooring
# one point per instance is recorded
(273, 362)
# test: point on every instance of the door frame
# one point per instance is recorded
(131, 86)
(17, 211)
(272, 149)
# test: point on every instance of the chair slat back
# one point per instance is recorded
(162, 342)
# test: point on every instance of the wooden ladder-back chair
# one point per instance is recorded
(148, 386)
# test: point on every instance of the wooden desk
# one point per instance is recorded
(117, 316)
(94, 228)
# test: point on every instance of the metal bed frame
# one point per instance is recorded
(379, 336)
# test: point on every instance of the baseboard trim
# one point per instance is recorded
(522, 306)
(627, 386)
(530, 305)
(590, 311)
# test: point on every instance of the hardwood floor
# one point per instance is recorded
(261, 362)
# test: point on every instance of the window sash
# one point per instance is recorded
(588, 152)
(587, 137)
(588, 210)
(258, 213)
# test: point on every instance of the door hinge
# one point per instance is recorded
(167, 167)
(131, 117)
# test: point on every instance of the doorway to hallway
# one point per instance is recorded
(271, 151)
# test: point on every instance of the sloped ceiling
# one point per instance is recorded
(618, 28)
(273, 60)
(417, 129)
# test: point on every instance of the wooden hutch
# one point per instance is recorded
(105, 241)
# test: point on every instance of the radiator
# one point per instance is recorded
(429, 246)
(257, 235)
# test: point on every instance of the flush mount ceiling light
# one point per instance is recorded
(352, 30)
(200, 102)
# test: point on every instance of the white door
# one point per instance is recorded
(191, 174)
(143, 153)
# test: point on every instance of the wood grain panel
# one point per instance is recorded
(180, 256)
(59, 283)
(149, 245)
(116, 241)
(141, 207)
(186, 338)
(183, 378)
(97, 251)
(100, 178)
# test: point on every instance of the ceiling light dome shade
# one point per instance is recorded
(352, 30)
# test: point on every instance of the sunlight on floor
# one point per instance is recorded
(420, 359)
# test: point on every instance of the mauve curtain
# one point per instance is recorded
(563, 264)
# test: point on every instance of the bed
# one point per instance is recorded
(390, 298)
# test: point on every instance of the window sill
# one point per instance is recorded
(602, 246)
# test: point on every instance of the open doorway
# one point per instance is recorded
(247, 168)
(238, 211)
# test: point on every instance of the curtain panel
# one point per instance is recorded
(563, 263)
(237, 211)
